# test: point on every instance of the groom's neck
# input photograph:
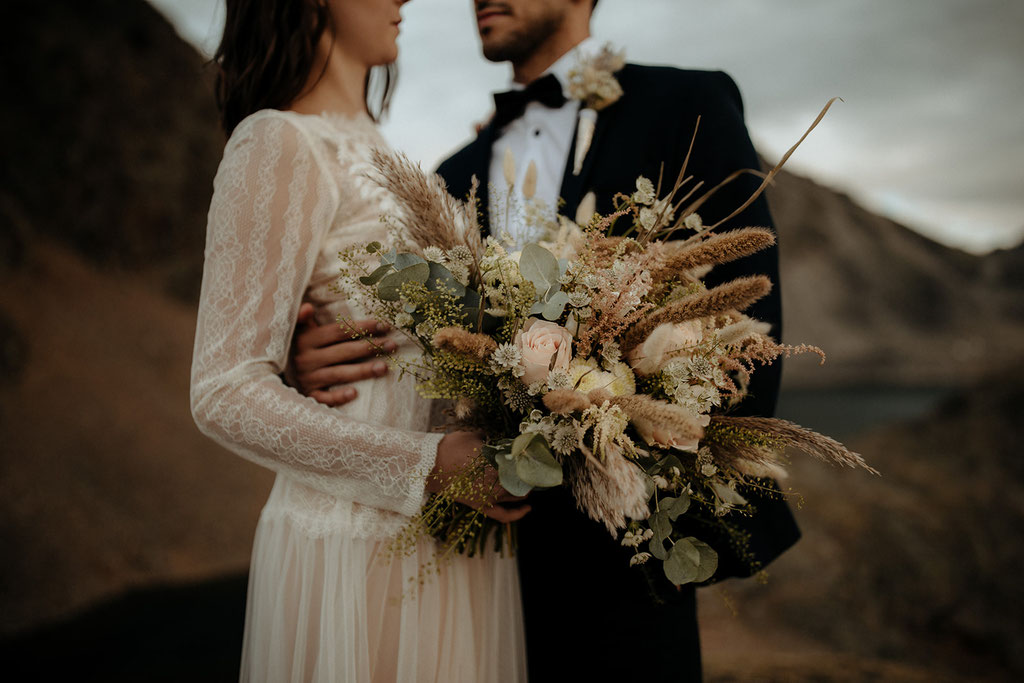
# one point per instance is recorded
(548, 52)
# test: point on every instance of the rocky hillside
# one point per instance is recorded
(110, 138)
(916, 567)
(111, 144)
(888, 305)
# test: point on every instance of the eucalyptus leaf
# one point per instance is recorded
(537, 466)
(708, 560)
(522, 441)
(660, 525)
(440, 277)
(679, 506)
(492, 451)
(471, 307)
(390, 287)
(555, 305)
(509, 479)
(374, 277)
(539, 266)
(658, 549)
(682, 563)
(405, 260)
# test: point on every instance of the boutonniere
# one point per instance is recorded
(593, 83)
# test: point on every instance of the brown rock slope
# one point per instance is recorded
(918, 566)
(106, 482)
(888, 305)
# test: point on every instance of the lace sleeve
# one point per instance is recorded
(272, 205)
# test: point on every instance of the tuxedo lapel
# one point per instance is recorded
(575, 186)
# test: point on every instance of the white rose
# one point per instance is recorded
(586, 376)
(666, 342)
(541, 343)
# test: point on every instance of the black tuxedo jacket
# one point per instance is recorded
(577, 587)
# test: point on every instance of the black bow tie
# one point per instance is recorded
(509, 106)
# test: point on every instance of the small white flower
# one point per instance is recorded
(404, 319)
(435, 254)
(507, 357)
(639, 558)
(611, 353)
(644, 191)
(708, 469)
(559, 379)
(647, 218)
(460, 254)
(566, 438)
(694, 222)
(660, 481)
(648, 534)
(580, 298)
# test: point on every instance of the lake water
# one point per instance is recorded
(845, 413)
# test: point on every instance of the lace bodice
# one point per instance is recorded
(290, 193)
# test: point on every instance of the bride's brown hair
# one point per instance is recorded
(267, 54)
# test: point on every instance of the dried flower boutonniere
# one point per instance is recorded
(593, 83)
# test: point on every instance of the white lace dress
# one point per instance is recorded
(325, 602)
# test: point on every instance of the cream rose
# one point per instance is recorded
(666, 342)
(544, 346)
(586, 376)
(671, 436)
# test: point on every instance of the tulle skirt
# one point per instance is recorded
(328, 606)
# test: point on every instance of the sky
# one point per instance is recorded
(930, 131)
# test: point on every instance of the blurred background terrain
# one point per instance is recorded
(125, 534)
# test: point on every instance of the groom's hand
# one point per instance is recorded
(324, 356)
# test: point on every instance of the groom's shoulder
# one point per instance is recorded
(672, 84)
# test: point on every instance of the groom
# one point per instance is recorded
(589, 616)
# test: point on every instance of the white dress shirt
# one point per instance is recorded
(542, 135)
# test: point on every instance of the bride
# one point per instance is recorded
(326, 601)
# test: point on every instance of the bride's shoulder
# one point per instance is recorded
(272, 127)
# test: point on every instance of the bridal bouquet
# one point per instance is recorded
(600, 363)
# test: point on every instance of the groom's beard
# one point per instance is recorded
(520, 43)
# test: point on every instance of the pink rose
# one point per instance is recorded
(542, 343)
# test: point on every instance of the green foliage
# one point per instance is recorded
(524, 463)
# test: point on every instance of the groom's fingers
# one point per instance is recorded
(347, 373)
(312, 336)
(309, 361)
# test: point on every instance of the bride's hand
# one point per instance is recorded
(456, 450)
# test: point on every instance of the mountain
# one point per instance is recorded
(110, 138)
(888, 305)
(111, 145)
